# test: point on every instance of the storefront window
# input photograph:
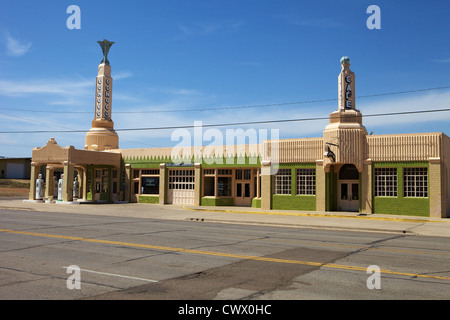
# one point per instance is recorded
(224, 186)
(208, 186)
(385, 182)
(282, 182)
(150, 185)
(416, 182)
(306, 181)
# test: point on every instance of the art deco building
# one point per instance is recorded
(344, 170)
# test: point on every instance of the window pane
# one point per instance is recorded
(344, 191)
(208, 188)
(306, 181)
(224, 186)
(247, 190)
(355, 191)
(416, 182)
(385, 184)
(150, 185)
(282, 182)
(105, 184)
(239, 190)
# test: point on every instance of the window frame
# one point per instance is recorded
(386, 182)
(282, 182)
(305, 181)
(412, 182)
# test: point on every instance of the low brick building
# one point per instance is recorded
(15, 168)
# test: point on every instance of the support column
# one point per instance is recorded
(49, 171)
(81, 182)
(437, 191)
(216, 182)
(198, 183)
(127, 193)
(82, 178)
(35, 169)
(266, 185)
(367, 187)
(321, 186)
(69, 172)
(162, 184)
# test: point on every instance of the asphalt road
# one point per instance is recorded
(133, 258)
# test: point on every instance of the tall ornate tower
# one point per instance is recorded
(345, 133)
(102, 135)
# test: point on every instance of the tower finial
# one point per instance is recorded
(345, 60)
(105, 45)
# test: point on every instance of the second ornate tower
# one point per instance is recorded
(102, 135)
(345, 133)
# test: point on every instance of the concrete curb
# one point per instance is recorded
(328, 215)
(349, 221)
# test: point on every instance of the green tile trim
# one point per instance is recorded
(401, 205)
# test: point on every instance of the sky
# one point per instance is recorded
(247, 60)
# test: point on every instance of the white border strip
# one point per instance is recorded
(116, 275)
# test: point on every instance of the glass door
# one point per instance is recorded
(244, 192)
(348, 195)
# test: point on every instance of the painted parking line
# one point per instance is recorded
(222, 254)
(115, 275)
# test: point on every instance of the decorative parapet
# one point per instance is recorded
(208, 154)
(293, 150)
(404, 147)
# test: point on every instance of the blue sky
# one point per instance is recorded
(186, 55)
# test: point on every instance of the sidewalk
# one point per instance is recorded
(353, 221)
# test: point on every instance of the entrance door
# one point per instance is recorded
(101, 184)
(243, 193)
(348, 193)
(243, 196)
(348, 188)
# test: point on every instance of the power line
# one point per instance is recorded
(74, 130)
(231, 107)
(233, 124)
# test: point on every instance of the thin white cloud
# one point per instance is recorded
(428, 101)
(180, 91)
(122, 75)
(209, 28)
(442, 60)
(311, 22)
(318, 23)
(15, 47)
(174, 91)
(21, 88)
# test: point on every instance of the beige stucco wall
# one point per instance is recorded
(446, 172)
(367, 188)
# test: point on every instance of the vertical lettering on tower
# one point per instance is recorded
(103, 97)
